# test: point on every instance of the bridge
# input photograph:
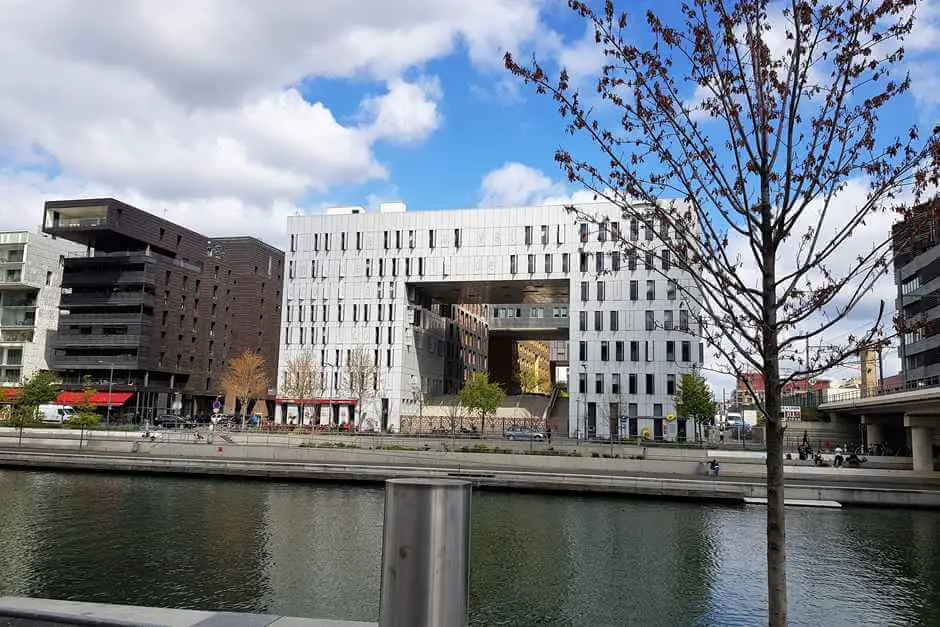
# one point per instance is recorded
(908, 417)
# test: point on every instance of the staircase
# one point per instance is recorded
(558, 418)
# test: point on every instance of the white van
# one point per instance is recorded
(55, 414)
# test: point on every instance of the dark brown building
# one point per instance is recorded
(156, 309)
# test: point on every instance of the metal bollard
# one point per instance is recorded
(425, 553)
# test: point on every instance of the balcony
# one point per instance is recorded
(94, 361)
(77, 340)
(16, 336)
(70, 301)
(77, 223)
(79, 318)
(106, 277)
(8, 277)
(17, 322)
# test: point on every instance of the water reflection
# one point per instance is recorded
(313, 550)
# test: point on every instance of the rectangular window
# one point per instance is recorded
(528, 236)
(671, 289)
(600, 291)
(657, 410)
(358, 240)
(564, 263)
(664, 256)
(650, 320)
(398, 240)
(339, 313)
(394, 266)
(342, 241)
(583, 320)
(615, 260)
(618, 350)
(585, 291)
(316, 245)
(631, 259)
(420, 266)
(650, 348)
(634, 229)
(602, 232)
(456, 238)
(512, 264)
(667, 320)
(614, 231)
(584, 262)
(411, 238)
(648, 230)
(385, 240)
(599, 262)
(615, 383)
(605, 351)
(583, 232)
(650, 383)
(671, 384)
(670, 350)
(548, 264)
(683, 320)
(599, 383)
(631, 384)
(663, 228)
(431, 238)
(582, 351)
(651, 290)
(407, 266)
(544, 235)
(582, 383)
(634, 290)
(649, 260)
(701, 353)
(614, 320)
(686, 351)
(531, 264)
(634, 350)
(365, 312)
(598, 320)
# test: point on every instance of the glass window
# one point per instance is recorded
(583, 232)
(634, 350)
(528, 236)
(599, 262)
(602, 232)
(615, 383)
(683, 320)
(671, 384)
(582, 321)
(634, 290)
(584, 262)
(614, 320)
(548, 264)
(531, 264)
(670, 350)
(615, 260)
(544, 235)
(600, 291)
(632, 385)
(618, 350)
(582, 351)
(664, 257)
(512, 264)
(605, 351)
(686, 351)
(564, 262)
(650, 320)
(599, 383)
(585, 291)
(651, 290)
(582, 383)
(667, 319)
(598, 320)
(657, 410)
(615, 231)
(634, 229)
(671, 289)
(650, 383)
(649, 260)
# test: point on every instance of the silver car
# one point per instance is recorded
(523, 433)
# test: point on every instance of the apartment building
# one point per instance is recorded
(30, 277)
(383, 282)
(917, 276)
(153, 311)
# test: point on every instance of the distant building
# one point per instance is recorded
(30, 277)
(917, 275)
(153, 312)
(798, 388)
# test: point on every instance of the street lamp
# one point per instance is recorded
(107, 419)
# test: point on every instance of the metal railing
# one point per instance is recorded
(79, 223)
(910, 386)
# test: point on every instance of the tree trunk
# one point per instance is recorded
(776, 522)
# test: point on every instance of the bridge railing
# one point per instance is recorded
(882, 390)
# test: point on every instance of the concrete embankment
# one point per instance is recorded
(673, 478)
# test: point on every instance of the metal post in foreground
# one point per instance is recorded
(425, 553)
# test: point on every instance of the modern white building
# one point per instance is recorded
(30, 279)
(382, 281)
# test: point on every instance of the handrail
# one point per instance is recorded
(552, 399)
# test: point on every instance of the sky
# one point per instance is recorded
(228, 116)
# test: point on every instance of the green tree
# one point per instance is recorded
(479, 395)
(39, 389)
(85, 415)
(695, 401)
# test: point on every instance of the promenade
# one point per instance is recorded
(677, 473)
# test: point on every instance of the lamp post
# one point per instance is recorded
(107, 419)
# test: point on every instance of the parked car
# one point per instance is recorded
(55, 414)
(168, 421)
(516, 432)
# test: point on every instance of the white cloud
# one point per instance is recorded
(407, 112)
(194, 104)
(515, 184)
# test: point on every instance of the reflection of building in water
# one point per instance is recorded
(324, 548)
(18, 533)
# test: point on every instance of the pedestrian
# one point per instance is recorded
(548, 434)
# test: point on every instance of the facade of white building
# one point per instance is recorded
(30, 280)
(375, 281)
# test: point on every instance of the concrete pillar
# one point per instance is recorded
(922, 447)
(874, 435)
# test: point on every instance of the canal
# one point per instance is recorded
(314, 550)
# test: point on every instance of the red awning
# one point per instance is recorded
(99, 399)
(315, 401)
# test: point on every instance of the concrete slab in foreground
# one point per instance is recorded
(16, 611)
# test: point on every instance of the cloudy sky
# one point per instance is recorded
(227, 116)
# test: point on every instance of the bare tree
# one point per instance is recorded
(303, 381)
(761, 120)
(361, 378)
(246, 380)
